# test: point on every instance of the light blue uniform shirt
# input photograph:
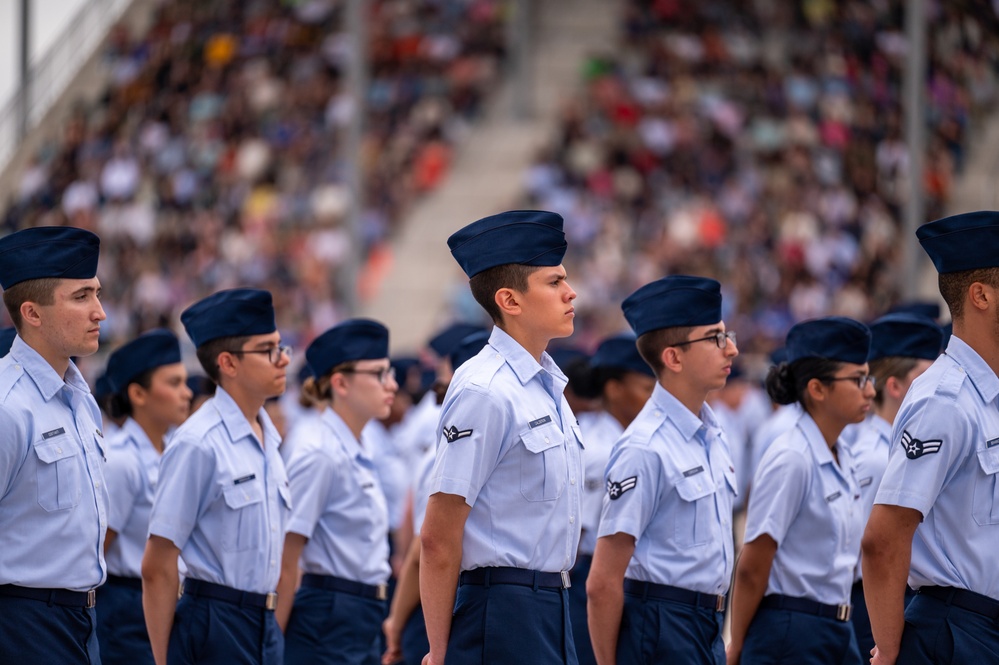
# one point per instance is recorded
(132, 471)
(780, 421)
(811, 506)
(339, 505)
(601, 431)
(223, 498)
(394, 471)
(670, 484)
(421, 489)
(944, 463)
(512, 450)
(53, 500)
(870, 447)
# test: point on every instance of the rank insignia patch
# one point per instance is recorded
(452, 433)
(914, 448)
(616, 489)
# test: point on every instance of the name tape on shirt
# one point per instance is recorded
(832, 497)
(452, 433)
(540, 421)
(693, 472)
(991, 443)
(616, 488)
(244, 479)
(864, 482)
(914, 448)
(52, 433)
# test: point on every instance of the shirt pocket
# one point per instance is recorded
(543, 467)
(58, 474)
(985, 508)
(696, 510)
(244, 516)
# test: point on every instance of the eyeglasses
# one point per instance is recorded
(274, 353)
(861, 380)
(720, 339)
(384, 375)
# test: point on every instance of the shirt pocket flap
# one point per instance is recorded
(695, 487)
(988, 459)
(285, 495)
(53, 451)
(244, 494)
(541, 439)
(578, 433)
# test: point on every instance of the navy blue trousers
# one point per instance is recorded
(936, 632)
(333, 627)
(663, 631)
(506, 623)
(208, 631)
(121, 626)
(32, 631)
(415, 644)
(577, 610)
(783, 637)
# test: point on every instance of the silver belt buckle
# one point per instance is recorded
(271, 602)
(720, 603)
(565, 579)
(843, 612)
(91, 598)
(381, 592)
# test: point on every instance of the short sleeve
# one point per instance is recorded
(124, 481)
(186, 473)
(633, 480)
(931, 438)
(311, 474)
(472, 430)
(779, 489)
(13, 449)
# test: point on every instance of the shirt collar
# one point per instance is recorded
(343, 433)
(523, 363)
(236, 423)
(881, 426)
(685, 422)
(816, 442)
(42, 373)
(134, 433)
(984, 379)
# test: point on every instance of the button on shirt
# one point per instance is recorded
(339, 505)
(510, 446)
(811, 506)
(53, 499)
(223, 499)
(600, 431)
(944, 463)
(670, 484)
(132, 471)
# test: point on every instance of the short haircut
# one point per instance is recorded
(954, 286)
(485, 284)
(41, 291)
(652, 344)
(208, 353)
(884, 368)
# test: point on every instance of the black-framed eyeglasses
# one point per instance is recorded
(273, 354)
(861, 380)
(384, 375)
(720, 339)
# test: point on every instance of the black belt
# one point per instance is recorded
(807, 606)
(966, 600)
(517, 576)
(199, 588)
(711, 601)
(84, 599)
(330, 583)
(130, 582)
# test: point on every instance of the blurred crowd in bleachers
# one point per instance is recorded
(760, 143)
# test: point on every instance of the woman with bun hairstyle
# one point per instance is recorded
(338, 531)
(149, 390)
(791, 598)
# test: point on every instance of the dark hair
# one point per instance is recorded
(507, 276)
(318, 389)
(208, 353)
(954, 286)
(786, 383)
(652, 344)
(41, 291)
(590, 381)
(119, 405)
(884, 368)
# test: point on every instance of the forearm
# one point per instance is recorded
(294, 543)
(159, 603)
(439, 570)
(604, 606)
(749, 589)
(885, 576)
(407, 592)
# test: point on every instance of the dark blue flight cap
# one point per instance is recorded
(930, 310)
(199, 385)
(566, 356)
(468, 348)
(353, 339)
(620, 352)
(48, 251)
(147, 351)
(778, 355)
(446, 340)
(833, 338)
(102, 388)
(962, 242)
(6, 339)
(674, 301)
(527, 237)
(229, 313)
(906, 336)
